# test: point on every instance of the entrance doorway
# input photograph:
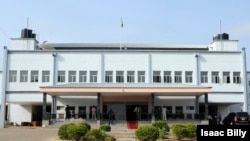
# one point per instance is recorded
(136, 112)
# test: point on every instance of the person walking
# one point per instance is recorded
(111, 116)
(218, 119)
(164, 112)
(93, 112)
(67, 112)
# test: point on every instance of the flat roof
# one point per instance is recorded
(123, 89)
(127, 46)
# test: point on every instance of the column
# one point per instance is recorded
(53, 107)
(206, 106)
(44, 106)
(152, 107)
(98, 107)
(196, 107)
(4, 84)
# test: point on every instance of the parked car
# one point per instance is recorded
(237, 118)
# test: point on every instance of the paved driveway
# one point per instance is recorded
(28, 134)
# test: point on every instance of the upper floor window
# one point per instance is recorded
(226, 77)
(45, 76)
(109, 76)
(237, 78)
(167, 77)
(157, 76)
(130, 76)
(72, 76)
(82, 76)
(93, 76)
(34, 76)
(61, 76)
(119, 76)
(141, 76)
(177, 77)
(189, 76)
(12, 76)
(204, 77)
(215, 77)
(23, 76)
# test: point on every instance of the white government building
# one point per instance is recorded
(190, 81)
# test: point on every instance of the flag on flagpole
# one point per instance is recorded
(121, 23)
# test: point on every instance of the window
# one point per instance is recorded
(156, 76)
(119, 76)
(179, 110)
(167, 77)
(190, 108)
(141, 76)
(82, 76)
(34, 76)
(204, 77)
(45, 76)
(215, 77)
(61, 76)
(189, 76)
(237, 78)
(177, 77)
(72, 76)
(130, 76)
(109, 76)
(93, 76)
(23, 76)
(226, 77)
(12, 76)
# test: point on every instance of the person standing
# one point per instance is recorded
(164, 112)
(137, 111)
(218, 119)
(67, 112)
(93, 112)
(111, 116)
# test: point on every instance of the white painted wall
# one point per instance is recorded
(1, 87)
(29, 61)
(19, 113)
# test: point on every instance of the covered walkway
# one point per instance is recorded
(125, 92)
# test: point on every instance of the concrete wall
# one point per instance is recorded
(19, 113)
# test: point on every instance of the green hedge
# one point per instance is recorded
(105, 127)
(147, 133)
(73, 131)
(184, 130)
(160, 124)
(95, 135)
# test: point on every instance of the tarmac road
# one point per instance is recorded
(28, 134)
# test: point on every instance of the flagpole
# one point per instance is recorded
(121, 35)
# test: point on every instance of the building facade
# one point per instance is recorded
(190, 81)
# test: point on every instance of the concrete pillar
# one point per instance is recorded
(98, 108)
(44, 106)
(197, 104)
(206, 106)
(153, 107)
(4, 86)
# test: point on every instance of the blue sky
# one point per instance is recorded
(145, 21)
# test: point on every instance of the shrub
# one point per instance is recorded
(85, 124)
(62, 131)
(105, 127)
(162, 133)
(184, 130)
(147, 133)
(109, 138)
(160, 124)
(191, 130)
(95, 135)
